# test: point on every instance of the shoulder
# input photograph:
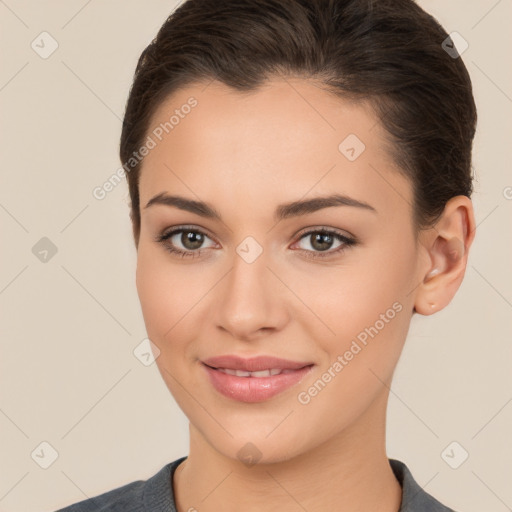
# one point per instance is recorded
(154, 494)
(414, 498)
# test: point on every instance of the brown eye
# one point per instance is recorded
(184, 241)
(191, 240)
(321, 240)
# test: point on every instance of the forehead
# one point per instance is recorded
(284, 140)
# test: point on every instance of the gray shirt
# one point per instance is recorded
(156, 494)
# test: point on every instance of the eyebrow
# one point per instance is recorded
(283, 211)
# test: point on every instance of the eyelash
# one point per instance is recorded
(347, 242)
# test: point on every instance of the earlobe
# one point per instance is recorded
(447, 250)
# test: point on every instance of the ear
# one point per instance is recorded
(446, 245)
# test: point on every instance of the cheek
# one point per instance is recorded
(367, 310)
(351, 296)
(166, 293)
(154, 290)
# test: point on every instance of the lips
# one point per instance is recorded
(258, 374)
(254, 379)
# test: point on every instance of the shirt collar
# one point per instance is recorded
(158, 494)
(414, 498)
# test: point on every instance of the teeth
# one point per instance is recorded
(261, 373)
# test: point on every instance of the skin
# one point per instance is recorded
(244, 154)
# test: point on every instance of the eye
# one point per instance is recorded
(191, 240)
(188, 242)
(321, 240)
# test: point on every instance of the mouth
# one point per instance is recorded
(254, 385)
(254, 364)
(259, 374)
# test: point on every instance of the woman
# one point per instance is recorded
(300, 182)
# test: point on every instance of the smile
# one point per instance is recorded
(257, 386)
(261, 373)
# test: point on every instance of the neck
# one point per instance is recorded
(349, 472)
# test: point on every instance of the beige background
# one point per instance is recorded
(69, 326)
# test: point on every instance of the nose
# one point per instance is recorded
(252, 301)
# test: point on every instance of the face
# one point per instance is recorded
(326, 285)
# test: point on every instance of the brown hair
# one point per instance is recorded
(389, 52)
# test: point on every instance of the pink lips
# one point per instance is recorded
(254, 389)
